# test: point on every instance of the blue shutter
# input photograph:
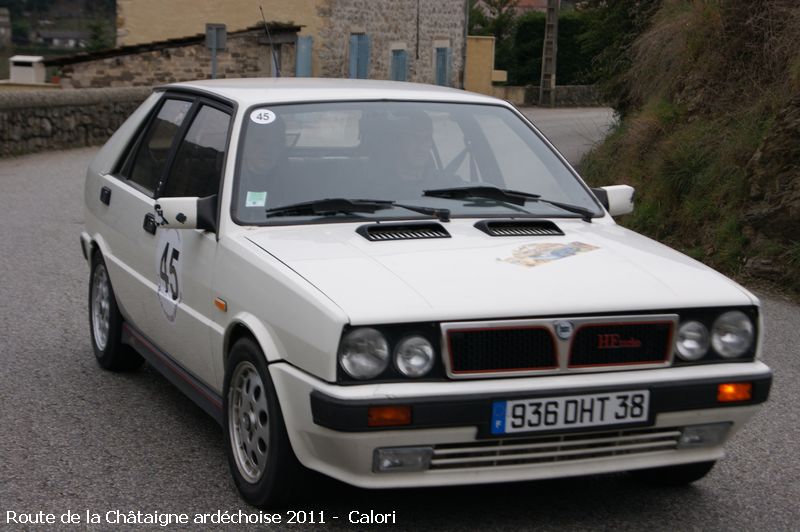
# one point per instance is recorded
(399, 65)
(359, 56)
(441, 66)
(353, 70)
(303, 67)
(363, 56)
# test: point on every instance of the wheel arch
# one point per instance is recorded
(92, 244)
(247, 325)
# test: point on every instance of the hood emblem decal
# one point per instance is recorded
(536, 254)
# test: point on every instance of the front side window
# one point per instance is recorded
(395, 151)
(151, 157)
(198, 164)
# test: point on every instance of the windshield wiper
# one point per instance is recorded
(483, 192)
(329, 206)
(333, 206)
(515, 197)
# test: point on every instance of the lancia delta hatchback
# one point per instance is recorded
(403, 285)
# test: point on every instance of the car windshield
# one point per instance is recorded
(395, 151)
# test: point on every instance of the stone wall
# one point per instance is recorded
(246, 55)
(393, 23)
(34, 121)
(566, 95)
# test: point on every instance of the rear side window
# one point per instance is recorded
(151, 157)
(198, 164)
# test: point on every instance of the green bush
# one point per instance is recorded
(573, 66)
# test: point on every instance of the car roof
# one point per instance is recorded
(251, 91)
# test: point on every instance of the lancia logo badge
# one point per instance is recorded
(564, 329)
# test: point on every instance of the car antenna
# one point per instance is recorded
(271, 45)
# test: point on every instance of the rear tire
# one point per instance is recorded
(105, 322)
(677, 475)
(262, 462)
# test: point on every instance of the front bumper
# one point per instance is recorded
(327, 424)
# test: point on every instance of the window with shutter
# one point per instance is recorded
(303, 66)
(399, 65)
(359, 56)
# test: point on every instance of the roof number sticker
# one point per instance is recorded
(537, 254)
(262, 116)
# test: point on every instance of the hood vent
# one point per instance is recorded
(389, 232)
(519, 228)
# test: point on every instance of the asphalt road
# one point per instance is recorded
(574, 130)
(76, 438)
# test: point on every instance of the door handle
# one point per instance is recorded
(149, 223)
(105, 195)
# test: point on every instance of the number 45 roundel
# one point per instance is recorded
(168, 268)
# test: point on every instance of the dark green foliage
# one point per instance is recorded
(98, 37)
(526, 62)
(611, 28)
(496, 18)
(574, 65)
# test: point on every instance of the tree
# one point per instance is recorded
(98, 38)
(612, 27)
(497, 18)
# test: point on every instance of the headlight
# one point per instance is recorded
(414, 356)
(732, 334)
(364, 353)
(692, 341)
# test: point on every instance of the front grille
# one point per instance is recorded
(496, 350)
(519, 228)
(388, 232)
(549, 449)
(621, 343)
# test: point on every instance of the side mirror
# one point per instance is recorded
(617, 199)
(187, 213)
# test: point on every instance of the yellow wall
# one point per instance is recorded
(143, 21)
(480, 64)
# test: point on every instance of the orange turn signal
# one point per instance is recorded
(734, 391)
(388, 416)
(220, 304)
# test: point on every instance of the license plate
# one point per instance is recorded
(569, 412)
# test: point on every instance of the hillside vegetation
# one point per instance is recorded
(710, 135)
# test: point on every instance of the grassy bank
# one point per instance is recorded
(713, 89)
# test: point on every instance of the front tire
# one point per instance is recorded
(105, 322)
(677, 475)
(261, 459)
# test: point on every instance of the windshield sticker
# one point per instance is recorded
(255, 199)
(537, 254)
(262, 116)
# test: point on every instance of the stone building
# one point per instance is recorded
(413, 40)
(247, 54)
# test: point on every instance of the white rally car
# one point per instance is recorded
(404, 285)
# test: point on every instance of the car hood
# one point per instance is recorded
(594, 267)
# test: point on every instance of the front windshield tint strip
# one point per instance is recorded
(394, 151)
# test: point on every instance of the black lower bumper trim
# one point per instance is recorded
(476, 410)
